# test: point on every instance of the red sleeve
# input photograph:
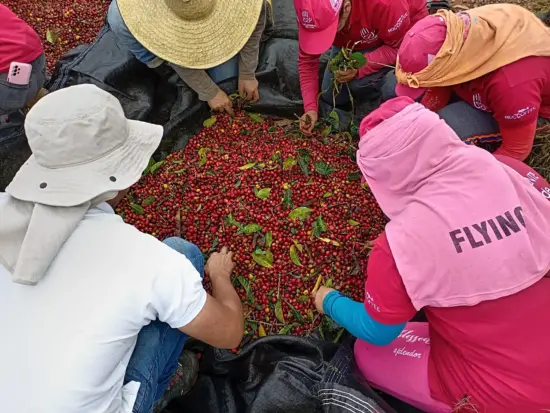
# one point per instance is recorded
(436, 98)
(516, 109)
(528, 173)
(392, 21)
(517, 140)
(386, 299)
(308, 68)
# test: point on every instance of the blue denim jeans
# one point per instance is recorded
(126, 40)
(155, 357)
(366, 88)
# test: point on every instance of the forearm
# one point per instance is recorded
(353, 317)
(199, 81)
(249, 54)
(224, 293)
(436, 98)
(308, 68)
(517, 142)
(379, 58)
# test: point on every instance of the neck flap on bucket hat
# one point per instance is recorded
(84, 152)
(464, 228)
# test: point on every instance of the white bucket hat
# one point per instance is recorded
(84, 152)
(82, 146)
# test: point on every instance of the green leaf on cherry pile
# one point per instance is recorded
(318, 227)
(279, 312)
(300, 213)
(155, 166)
(323, 168)
(303, 298)
(303, 160)
(209, 122)
(263, 258)
(288, 328)
(287, 199)
(268, 239)
(262, 193)
(250, 229)
(329, 283)
(294, 256)
(354, 176)
(151, 163)
(353, 223)
(52, 36)
(358, 60)
(298, 245)
(148, 201)
(327, 194)
(202, 155)
(246, 285)
(247, 166)
(289, 163)
(229, 220)
(297, 316)
(138, 209)
(256, 118)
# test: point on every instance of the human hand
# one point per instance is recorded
(308, 121)
(344, 76)
(221, 103)
(220, 264)
(248, 90)
(320, 297)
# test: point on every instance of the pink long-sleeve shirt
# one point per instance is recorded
(375, 24)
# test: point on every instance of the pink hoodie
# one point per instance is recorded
(464, 228)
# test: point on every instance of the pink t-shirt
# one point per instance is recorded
(18, 41)
(495, 352)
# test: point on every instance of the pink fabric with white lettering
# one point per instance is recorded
(427, 181)
(401, 368)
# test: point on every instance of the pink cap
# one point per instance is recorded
(385, 111)
(419, 47)
(317, 24)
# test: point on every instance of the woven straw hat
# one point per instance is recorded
(197, 34)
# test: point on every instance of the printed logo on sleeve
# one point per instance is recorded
(521, 113)
(371, 303)
(478, 102)
(397, 25)
(368, 36)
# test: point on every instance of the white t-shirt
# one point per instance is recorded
(65, 343)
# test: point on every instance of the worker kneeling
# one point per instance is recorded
(486, 72)
(468, 242)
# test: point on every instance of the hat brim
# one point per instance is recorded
(76, 184)
(195, 44)
(317, 42)
(411, 92)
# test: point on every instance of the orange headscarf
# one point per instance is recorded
(499, 34)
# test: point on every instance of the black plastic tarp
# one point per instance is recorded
(281, 374)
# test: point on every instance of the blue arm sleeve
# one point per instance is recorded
(353, 317)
